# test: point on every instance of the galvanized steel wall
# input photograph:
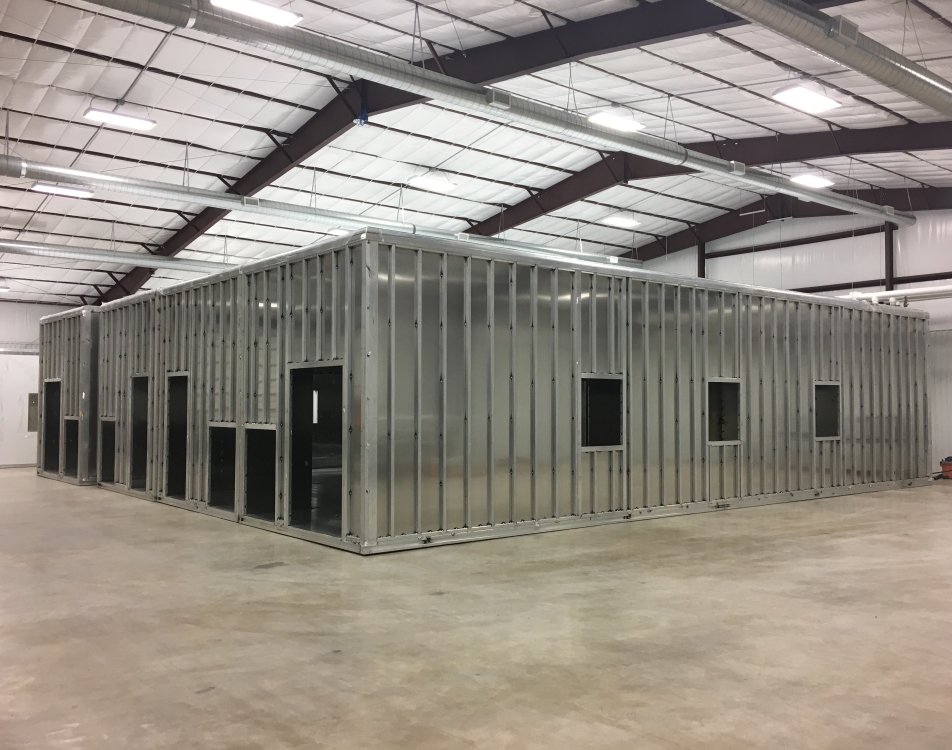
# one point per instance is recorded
(69, 353)
(479, 365)
(126, 350)
(463, 374)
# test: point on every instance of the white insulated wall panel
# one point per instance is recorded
(940, 395)
(18, 376)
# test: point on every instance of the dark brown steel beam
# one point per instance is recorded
(889, 261)
(618, 168)
(844, 285)
(648, 23)
(799, 241)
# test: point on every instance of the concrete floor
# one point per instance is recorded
(823, 624)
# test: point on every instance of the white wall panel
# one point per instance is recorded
(802, 266)
(925, 247)
(790, 229)
(683, 263)
(19, 375)
(940, 394)
(20, 322)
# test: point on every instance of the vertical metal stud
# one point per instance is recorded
(444, 263)
(418, 393)
(533, 395)
(467, 388)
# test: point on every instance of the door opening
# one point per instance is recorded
(317, 449)
(140, 433)
(259, 474)
(70, 447)
(107, 437)
(176, 426)
(51, 427)
(221, 467)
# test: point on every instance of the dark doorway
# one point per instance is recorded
(221, 467)
(140, 433)
(70, 447)
(259, 474)
(176, 455)
(51, 427)
(107, 438)
(317, 449)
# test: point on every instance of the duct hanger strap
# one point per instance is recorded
(14, 166)
(839, 39)
(344, 59)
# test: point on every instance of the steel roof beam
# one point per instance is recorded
(619, 168)
(648, 23)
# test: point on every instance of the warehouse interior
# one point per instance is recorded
(734, 157)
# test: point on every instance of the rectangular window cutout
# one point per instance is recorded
(33, 412)
(259, 474)
(70, 447)
(723, 412)
(601, 412)
(140, 433)
(51, 427)
(317, 449)
(107, 438)
(221, 467)
(176, 462)
(827, 410)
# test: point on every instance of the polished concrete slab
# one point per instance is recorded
(822, 624)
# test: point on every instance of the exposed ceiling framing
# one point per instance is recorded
(620, 168)
(235, 118)
(646, 24)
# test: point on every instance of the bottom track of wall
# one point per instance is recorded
(455, 536)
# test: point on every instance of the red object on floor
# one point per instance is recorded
(946, 467)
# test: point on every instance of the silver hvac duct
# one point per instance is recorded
(14, 166)
(902, 296)
(346, 60)
(44, 250)
(839, 39)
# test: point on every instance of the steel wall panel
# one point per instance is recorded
(462, 385)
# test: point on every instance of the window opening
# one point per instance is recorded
(827, 410)
(723, 412)
(33, 412)
(601, 412)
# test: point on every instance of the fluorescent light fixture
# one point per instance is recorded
(432, 180)
(805, 99)
(68, 192)
(338, 232)
(261, 11)
(4, 285)
(616, 118)
(811, 181)
(621, 220)
(118, 119)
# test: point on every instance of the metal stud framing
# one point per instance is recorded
(462, 385)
